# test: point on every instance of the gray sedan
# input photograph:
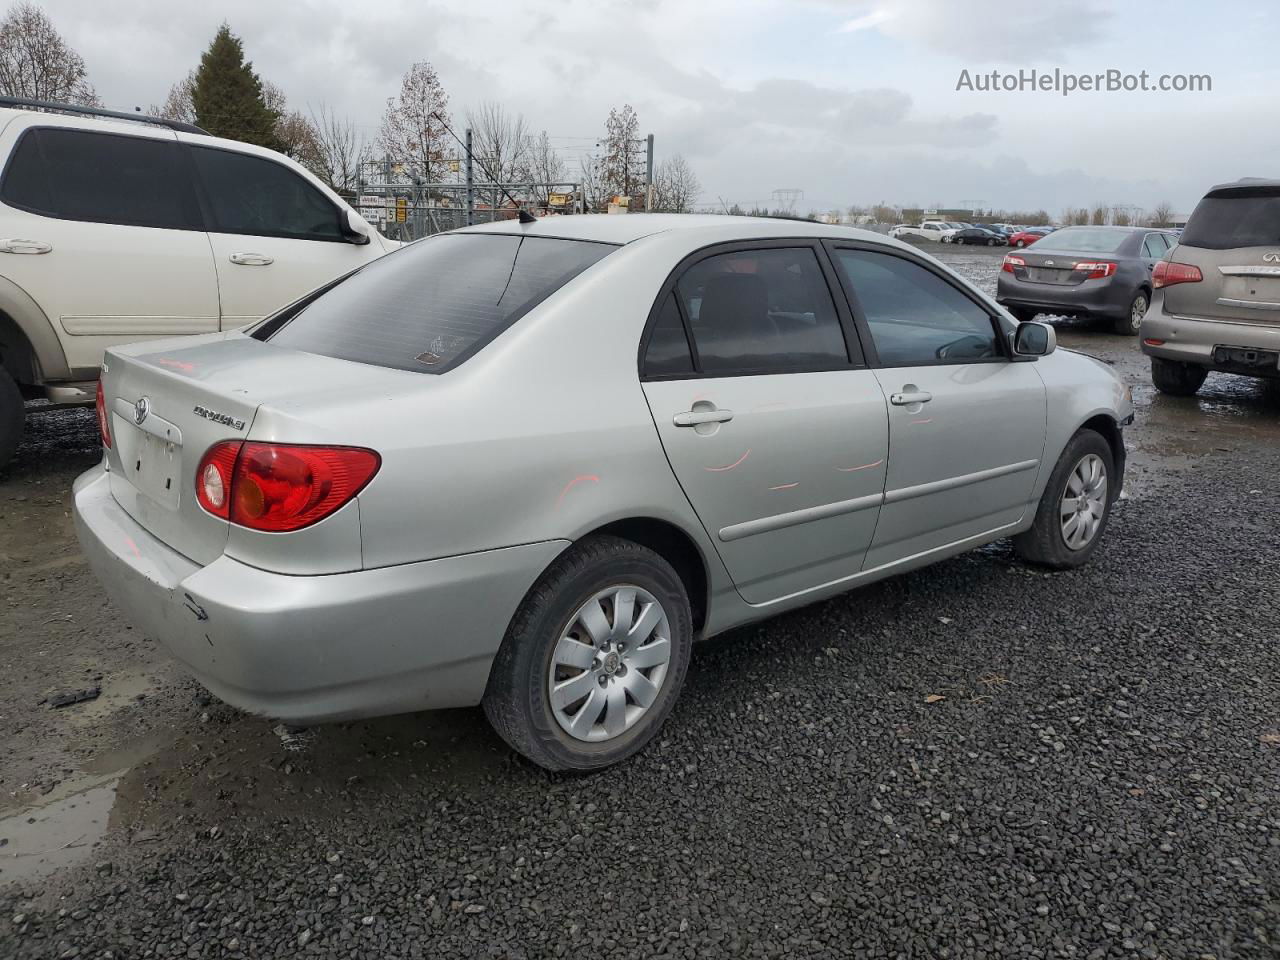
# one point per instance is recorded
(527, 465)
(1102, 272)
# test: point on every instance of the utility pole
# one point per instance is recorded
(470, 192)
(648, 174)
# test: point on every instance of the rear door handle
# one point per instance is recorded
(25, 246)
(905, 399)
(252, 259)
(692, 418)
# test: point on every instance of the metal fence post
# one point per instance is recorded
(648, 174)
(470, 181)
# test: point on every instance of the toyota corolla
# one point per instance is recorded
(528, 464)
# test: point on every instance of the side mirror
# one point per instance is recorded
(1034, 340)
(350, 232)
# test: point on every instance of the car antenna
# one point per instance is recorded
(523, 215)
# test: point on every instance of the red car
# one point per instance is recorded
(1025, 238)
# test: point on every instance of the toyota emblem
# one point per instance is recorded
(140, 410)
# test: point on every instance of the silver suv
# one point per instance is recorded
(1216, 296)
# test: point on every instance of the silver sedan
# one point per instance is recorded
(527, 465)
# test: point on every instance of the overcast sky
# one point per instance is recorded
(852, 101)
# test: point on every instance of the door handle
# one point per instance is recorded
(692, 418)
(25, 246)
(252, 259)
(906, 399)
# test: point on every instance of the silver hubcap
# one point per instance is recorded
(1084, 503)
(1137, 312)
(609, 663)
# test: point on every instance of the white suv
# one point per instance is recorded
(937, 230)
(116, 228)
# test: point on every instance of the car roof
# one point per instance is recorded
(1113, 228)
(626, 228)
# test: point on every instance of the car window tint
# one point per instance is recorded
(258, 196)
(760, 311)
(915, 316)
(1153, 246)
(1084, 240)
(101, 178)
(432, 304)
(668, 350)
(1235, 217)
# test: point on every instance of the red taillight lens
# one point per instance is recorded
(278, 487)
(1167, 273)
(1095, 270)
(1010, 261)
(104, 425)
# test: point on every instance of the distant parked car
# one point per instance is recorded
(1024, 238)
(980, 236)
(1085, 271)
(901, 230)
(1216, 298)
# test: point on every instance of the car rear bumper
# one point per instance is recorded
(1196, 340)
(1090, 298)
(305, 649)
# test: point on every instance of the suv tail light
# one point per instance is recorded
(1167, 273)
(104, 425)
(1095, 269)
(277, 487)
(1011, 261)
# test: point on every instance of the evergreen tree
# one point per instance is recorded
(227, 94)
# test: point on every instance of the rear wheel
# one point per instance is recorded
(1074, 508)
(13, 414)
(1129, 324)
(991, 242)
(1019, 243)
(1175, 378)
(594, 658)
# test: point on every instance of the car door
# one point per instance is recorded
(275, 236)
(102, 230)
(1154, 247)
(774, 426)
(966, 421)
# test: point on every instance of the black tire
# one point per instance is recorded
(1023, 315)
(1044, 544)
(1177, 379)
(1019, 243)
(13, 415)
(1129, 324)
(516, 700)
(991, 242)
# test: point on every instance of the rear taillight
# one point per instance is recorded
(1010, 261)
(1167, 273)
(1095, 269)
(104, 426)
(278, 487)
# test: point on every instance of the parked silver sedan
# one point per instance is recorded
(526, 465)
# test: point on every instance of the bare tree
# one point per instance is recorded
(35, 61)
(1098, 215)
(1121, 216)
(622, 171)
(339, 150)
(413, 127)
(499, 141)
(883, 213)
(178, 105)
(595, 192)
(1162, 214)
(675, 185)
(543, 165)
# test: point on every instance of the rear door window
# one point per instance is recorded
(100, 178)
(429, 306)
(253, 195)
(1153, 247)
(1235, 217)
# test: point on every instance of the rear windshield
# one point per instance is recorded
(1237, 218)
(1083, 240)
(431, 305)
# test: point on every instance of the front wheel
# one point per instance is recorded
(594, 658)
(1074, 508)
(991, 243)
(13, 415)
(1177, 379)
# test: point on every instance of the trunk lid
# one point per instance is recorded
(1239, 284)
(1056, 268)
(168, 403)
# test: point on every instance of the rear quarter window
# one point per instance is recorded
(430, 306)
(1244, 217)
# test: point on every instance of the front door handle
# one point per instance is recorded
(693, 418)
(910, 397)
(252, 259)
(25, 246)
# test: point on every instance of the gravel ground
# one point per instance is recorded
(1100, 778)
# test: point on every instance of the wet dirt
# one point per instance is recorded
(154, 753)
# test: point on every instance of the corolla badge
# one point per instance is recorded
(140, 410)
(235, 423)
(1271, 257)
